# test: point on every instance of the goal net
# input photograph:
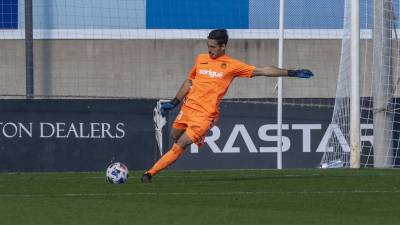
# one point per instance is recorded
(379, 80)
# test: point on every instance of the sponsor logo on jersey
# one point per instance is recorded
(211, 73)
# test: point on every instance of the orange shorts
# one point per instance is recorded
(195, 123)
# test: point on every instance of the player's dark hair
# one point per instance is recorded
(220, 35)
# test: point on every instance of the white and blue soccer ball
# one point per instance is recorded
(117, 173)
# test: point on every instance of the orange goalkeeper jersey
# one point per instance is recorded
(210, 81)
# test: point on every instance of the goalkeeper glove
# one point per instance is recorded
(300, 73)
(166, 106)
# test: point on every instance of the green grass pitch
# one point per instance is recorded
(308, 196)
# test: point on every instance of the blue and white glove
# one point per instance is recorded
(300, 73)
(166, 106)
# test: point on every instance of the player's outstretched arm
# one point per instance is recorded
(272, 71)
(182, 92)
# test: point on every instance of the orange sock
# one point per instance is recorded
(167, 159)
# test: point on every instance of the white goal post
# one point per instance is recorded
(355, 85)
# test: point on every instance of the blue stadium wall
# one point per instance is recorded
(177, 14)
(8, 14)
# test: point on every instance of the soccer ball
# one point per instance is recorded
(117, 173)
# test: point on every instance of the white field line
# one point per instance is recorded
(199, 193)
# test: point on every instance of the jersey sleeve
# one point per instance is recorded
(243, 70)
(192, 73)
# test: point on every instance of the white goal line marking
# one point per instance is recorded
(198, 193)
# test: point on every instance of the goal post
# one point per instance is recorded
(355, 85)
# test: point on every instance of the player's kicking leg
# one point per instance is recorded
(168, 158)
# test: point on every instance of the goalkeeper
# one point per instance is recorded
(201, 95)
